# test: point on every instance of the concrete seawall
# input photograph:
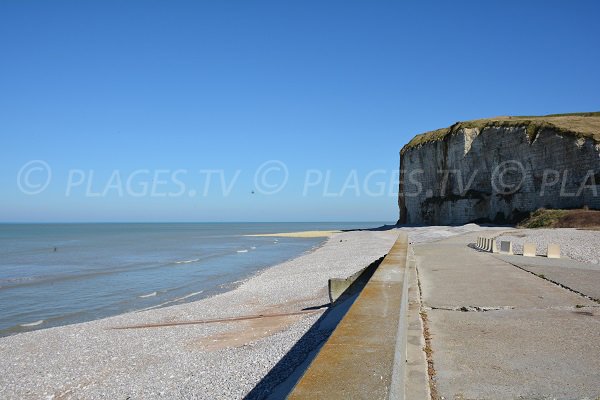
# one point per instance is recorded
(365, 356)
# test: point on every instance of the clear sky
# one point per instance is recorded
(142, 110)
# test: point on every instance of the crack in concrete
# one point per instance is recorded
(427, 337)
(472, 308)
(542, 276)
(503, 308)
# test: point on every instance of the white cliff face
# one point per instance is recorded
(496, 174)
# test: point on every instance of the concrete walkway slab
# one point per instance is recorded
(584, 278)
(536, 339)
(454, 275)
(511, 354)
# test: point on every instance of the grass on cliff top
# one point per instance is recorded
(543, 218)
(586, 125)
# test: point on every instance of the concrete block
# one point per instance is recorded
(553, 250)
(529, 250)
(494, 246)
(506, 247)
(485, 244)
(337, 286)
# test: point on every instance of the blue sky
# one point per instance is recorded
(116, 97)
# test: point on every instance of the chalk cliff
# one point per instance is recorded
(500, 169)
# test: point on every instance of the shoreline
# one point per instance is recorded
(227, 359)
(90, 359)
(44, 323)
(300, 234)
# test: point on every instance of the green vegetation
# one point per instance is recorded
(543, 218)
(585, 125)
(580, 114)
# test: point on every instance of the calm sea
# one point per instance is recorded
(57, 274)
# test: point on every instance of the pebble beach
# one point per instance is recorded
(195, 354)
(578, 244)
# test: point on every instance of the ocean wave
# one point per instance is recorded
(148, 295)
(176, 300)
(187, 261)
(17, 280)
(242, 251)
(188, 296)
(36, 323)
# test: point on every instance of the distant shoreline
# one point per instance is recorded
(300, 234)
(126, 268)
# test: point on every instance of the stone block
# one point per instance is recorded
(553, 250)
(529, 250)
(506, 247)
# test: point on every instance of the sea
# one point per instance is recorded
(58, 274)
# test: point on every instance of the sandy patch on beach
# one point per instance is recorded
(245, 332)
(302, 234)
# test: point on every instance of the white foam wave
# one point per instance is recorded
(188, 296)
(178, 299)
(36, 323)
(242, 251)
(148, 295)
(187, 261)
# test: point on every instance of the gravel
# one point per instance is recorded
(579, 245)
(92, 361)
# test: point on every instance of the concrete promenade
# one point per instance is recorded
(500, 330)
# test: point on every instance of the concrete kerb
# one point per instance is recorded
(397, 387)
(365, 356)
(416, 373)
